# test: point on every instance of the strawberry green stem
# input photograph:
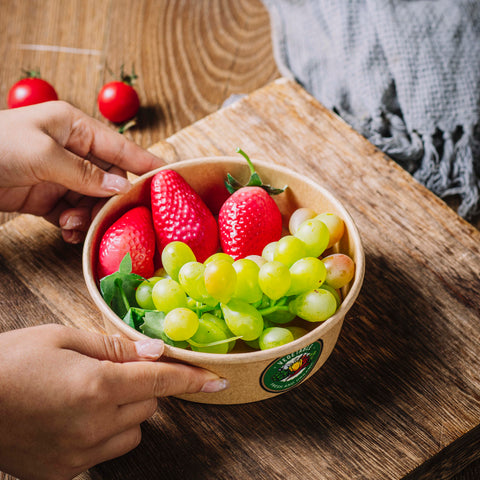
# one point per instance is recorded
(232, 184)
(254, 178)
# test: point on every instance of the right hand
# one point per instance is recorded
(71, 399)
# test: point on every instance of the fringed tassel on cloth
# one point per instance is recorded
(445, 165)
(388, 132)
(454, 171)
(403, 74)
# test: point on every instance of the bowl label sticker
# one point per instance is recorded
(286, 372)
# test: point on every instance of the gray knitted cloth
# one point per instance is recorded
(403, 73)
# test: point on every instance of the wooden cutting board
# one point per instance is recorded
(400, 396)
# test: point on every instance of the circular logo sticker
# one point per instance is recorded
(286, 372)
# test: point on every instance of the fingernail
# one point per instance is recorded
(73, 223)
(73, 236)
(149, 348)
(115, 183)
(213, 386)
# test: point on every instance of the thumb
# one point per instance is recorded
(80, 175)
(112, 347)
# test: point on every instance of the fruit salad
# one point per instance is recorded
(178, 273)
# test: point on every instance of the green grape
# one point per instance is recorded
(314, 234)
(297, 332)
(274, 337)
(191, 278)
(335, 226)
(167, 294)
(219, 256)
(247, 287)
(174, 256)
(220, 323)
(306, 274)
(274, 279)
(153, 327)
(333, 292)
(279, 316)
(220, 280)
(143, 294)
(208, 332)
(242, 319)
(268, 251)
(257, 259)
(298, 217)
(180, 324)
(340, 269)
(289, 249)
(314, 306)
(160, 272)
(253, 344)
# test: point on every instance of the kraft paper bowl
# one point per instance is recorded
(253, 375)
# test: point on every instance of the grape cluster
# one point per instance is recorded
(209, 306)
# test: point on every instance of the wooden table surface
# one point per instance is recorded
(400, 396)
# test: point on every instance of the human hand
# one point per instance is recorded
(53, 159)
(70, 399)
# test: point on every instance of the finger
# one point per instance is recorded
(90, 136)
(113, 348)
(74, 237)
(116, 419)
(133, 382)
(114, 447)
(62, 203)
(112, 147)
(77, 218)
(83, 208)
(100, 202)
(75, 199)
(83, 135)
(80, 175)
(132, 414)
(98, 162)
(75, 222)
(39, 198)
(74, 212)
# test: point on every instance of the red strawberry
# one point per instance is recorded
(250, 218)
(133, 232)
(180, 214)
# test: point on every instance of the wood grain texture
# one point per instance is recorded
(190, 55)
(400, 396)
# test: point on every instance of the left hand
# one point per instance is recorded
(56, 162)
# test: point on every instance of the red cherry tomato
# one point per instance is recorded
(29, 91)
(118, 101)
